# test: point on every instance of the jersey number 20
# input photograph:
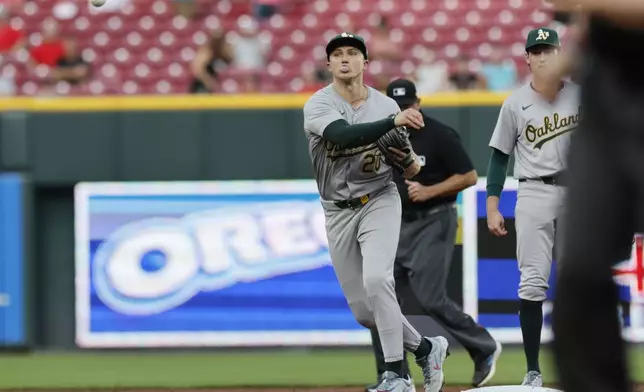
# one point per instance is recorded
(372, 162)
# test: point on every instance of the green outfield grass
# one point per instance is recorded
(275, 368)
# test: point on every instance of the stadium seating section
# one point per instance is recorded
(145, 48)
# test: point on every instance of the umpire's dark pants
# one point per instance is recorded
(604, 202)
(423, 262)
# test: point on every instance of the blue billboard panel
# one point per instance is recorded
(491, 283)
(12, 303)
(206, 264)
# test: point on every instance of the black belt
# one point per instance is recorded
(413, 215)
(353, 203)
(549, 180)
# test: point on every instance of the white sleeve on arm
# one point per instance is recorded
(319, 112)
(505, 133)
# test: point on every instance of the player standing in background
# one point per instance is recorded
(362, 206)
(535, 124)
(604, 204)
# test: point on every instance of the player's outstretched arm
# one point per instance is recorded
(323, 119)
(496, 172)
(342, 133)
(356, 135)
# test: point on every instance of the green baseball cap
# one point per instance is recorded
(346, 39)
(542, 36)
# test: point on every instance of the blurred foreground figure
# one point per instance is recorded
(605, 196)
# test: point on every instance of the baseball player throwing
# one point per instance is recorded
(345, 124)
(535, 125)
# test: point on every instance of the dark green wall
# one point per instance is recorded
(59, 149)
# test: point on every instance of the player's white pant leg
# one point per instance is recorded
(538, 205)
(378, 235)
(342, 233)
(377, 219)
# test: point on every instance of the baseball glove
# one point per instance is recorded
(397, 138)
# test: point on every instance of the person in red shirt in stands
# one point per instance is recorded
(52, 47)
(10, 38)
(315, 80)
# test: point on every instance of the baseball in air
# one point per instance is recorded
(97, 3)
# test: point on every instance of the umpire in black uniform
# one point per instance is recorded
(428, 233)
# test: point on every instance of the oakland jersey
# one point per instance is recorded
(537, 131)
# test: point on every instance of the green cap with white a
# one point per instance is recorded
(542, 36)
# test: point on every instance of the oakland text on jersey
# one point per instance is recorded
(335, 151)
(552, 127)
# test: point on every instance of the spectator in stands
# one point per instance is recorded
(250, 53)
(10, 38)
(264, 9)
(381, 47)
(71, 68)
(210, 59)
(13, 5)
(386, 52)
(250, 82)
(112, 6)
(463, 78)
(7, 82)
(51, 49)
(500, 73)
(315, 79)
(187, 8)
(431, 75)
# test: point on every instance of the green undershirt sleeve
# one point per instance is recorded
(496, 172)
(342, 133)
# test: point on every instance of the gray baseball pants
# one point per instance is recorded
(362, 245)
(423, 262)
(537, 219)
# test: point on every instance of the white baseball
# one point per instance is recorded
(97, 3)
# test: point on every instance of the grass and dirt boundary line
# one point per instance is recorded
(276, 371)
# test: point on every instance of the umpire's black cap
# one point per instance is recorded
(346, 39)
(402, 91)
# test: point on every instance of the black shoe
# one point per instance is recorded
(484, 369)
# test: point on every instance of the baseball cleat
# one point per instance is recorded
(484, 370)
(391, 382)
(533, 379)
(374, 387)
(432, 365)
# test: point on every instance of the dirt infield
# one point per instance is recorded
(450, 388)
(240, 389)
(247, 389)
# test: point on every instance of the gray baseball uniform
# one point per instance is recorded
(362, 241)
(538, 133)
